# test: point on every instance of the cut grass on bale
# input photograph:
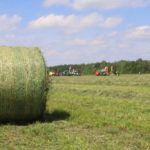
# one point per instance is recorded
(22, 84)
(89, 113)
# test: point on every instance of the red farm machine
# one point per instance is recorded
(105, 71)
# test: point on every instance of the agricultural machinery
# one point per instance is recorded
(105, 71)
(69, 72)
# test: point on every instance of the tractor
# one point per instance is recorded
(104, 71)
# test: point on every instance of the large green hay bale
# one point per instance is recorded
(22, 84)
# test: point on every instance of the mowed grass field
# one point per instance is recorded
(88, 113)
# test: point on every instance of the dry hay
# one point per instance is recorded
(23, 84)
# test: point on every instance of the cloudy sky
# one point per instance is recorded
(78, 31)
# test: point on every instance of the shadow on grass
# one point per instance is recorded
(56, 115)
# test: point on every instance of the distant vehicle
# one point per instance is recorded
(105, 71)
(70, 72)
(64, 73)
(67, 73)
(76, 73)
(53, 74)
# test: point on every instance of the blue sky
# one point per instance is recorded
(78, 31)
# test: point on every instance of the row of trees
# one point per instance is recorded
(123, 67)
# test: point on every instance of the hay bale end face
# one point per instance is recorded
(23, 84)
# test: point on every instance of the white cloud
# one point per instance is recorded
(77, 42)
(98, 4)
(52, 53)
(141, 32)
(75, 23)
(85, 42)
(77, 48)
(9, 22)
(112, 22)
(107, 4)
(55, 2)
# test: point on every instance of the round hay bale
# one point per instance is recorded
(23, 83)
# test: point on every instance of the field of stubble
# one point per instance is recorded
(88, 113)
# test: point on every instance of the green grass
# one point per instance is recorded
(88, 113)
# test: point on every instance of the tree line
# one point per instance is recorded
(123, 67)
